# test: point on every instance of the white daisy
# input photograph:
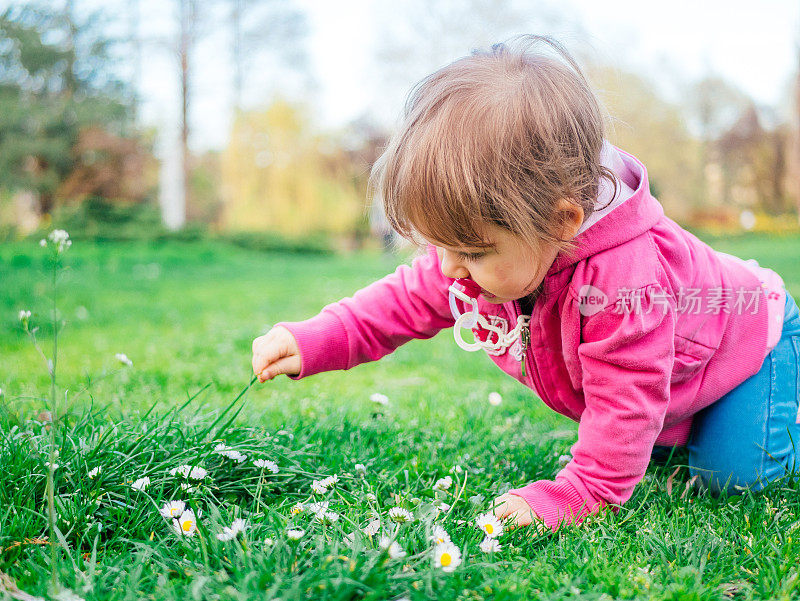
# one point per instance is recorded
(378, 398)
(446, 556)
(183, 470)
(372, 528)
(318, 508)
(327, 517)
(266, 464)
(495, 398)
(173, 509)
(490, 545)
(330, 481)
(188, 487)
(268, 542)
(24, 315)
(394, 550)
(318, 487)
(141, 483)
(491, 526)
(226, 451)
(400, 515)
(360, 469)
(443, 483)
(439, 535)
(123, 358)
(186, 524)
(198, 473)
(230, 532)
(442, 506)
(297, 508)
(295, 534)
(95, 471)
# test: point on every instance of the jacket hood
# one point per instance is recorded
(632, 218)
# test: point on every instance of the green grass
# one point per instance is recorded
(186, 314)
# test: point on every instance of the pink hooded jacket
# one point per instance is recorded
(642, 328)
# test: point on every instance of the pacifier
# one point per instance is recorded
(467, 291)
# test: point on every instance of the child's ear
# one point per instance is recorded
(572, 215)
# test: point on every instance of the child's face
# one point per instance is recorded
(511, 272)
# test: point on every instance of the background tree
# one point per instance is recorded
(56, 77)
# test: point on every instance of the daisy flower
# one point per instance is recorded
(226, 451)
(400, 515)
(266, 464)
(372, 528)
(183, 470)
(198, 473)
(491, 526)
(123, 358)
(378, 398)
(490, 545)
(443, 483)
(360, 469)
(327, 517)
(95, 471)
(268, 542)
(173, 509)
(495, 398)
(141, 483)
(186, 524)
(297, 508)
(318, 508)
(446, 556)
(230, 532)
(295, 534)
(188, 487)
(394, 550)
(440, 535)
(330, 481)
(318, 487)
(370, 497)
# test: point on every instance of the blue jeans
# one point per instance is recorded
(749, 436)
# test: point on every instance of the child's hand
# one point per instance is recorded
(513, 511)
(276, 353)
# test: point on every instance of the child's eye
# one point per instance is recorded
(469, 256)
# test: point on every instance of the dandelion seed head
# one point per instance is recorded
(400, 515)
(123, 358)
(495, 399)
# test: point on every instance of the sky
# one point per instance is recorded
(752, 44)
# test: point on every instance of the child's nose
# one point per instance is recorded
(451, 267)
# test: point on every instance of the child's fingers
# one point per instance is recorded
(288, 365)
(504, 505)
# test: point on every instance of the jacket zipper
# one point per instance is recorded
(525, 340)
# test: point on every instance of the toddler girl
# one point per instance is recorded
(545, 240)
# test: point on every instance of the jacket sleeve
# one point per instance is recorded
(410, 303)
(627, 359)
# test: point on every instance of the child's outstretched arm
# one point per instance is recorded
(410, 303)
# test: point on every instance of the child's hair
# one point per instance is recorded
(497, 136)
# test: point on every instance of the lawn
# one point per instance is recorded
(185, 314)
